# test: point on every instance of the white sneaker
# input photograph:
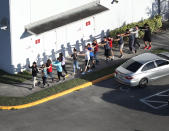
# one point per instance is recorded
(121, 56)
(89, 70)
(83, 73)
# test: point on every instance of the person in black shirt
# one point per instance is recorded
(34, 73)
(147, 36)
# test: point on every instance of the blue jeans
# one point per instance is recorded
(75, 65)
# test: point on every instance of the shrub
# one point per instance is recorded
(154, 23)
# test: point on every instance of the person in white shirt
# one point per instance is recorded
(87, 60)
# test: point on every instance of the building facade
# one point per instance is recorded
(35, 30)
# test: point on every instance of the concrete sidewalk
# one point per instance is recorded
(159, 40)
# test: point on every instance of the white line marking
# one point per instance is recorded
(155, 94)
(162, 106)
(163, 95)
(164, 102)
(147, 102)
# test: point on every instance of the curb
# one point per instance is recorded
(85, 85)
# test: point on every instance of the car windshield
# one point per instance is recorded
(131, 65)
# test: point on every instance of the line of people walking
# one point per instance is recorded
(90, 54)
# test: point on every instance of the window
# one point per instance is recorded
(132, 65)
(161, 62)
(149, 66)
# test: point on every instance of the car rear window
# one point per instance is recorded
(132, 65)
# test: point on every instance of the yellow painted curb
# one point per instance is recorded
(56, 95)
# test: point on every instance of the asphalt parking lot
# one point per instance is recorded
(106, 106)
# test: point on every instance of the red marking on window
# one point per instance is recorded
(88, 23)
(37, 41)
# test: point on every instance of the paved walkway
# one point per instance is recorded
(159, 40)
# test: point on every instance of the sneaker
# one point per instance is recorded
(149, 47)
(67, 75)
(145, 47)
(83, 73)
(121, 56)
(89, 70)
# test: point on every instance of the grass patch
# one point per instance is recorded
(14, 78)
(160, 50)
(11, 101)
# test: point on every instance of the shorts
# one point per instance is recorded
(121, 46)
(147, 39)
(108, 52)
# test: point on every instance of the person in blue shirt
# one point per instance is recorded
(59, 69)
(92, 62)
(44, 75)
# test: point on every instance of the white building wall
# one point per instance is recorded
(5, 47)
(63, 39)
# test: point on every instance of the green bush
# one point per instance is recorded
(154, 23)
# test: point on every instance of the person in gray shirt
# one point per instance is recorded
(135, 31)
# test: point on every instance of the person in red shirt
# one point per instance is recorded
(95, 45)
(49, 68)
(110, 40)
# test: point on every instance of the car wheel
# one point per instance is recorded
(143, 83)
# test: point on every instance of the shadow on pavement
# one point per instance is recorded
(129, 97)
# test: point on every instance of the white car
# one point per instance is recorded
(141, 69)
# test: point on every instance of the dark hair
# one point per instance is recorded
(58, 59)
(127, 30)
(43, 65)
(34, 62)
(74, 49)
(146, 25)
(88, 44)
(48, 62)
(61, 56)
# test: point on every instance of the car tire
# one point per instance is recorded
(143, 83)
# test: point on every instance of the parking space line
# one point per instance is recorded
(163, 95)
(161, 106)
(162, 103)
(156, 94)
(148, 104)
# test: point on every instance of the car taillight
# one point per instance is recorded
(129, 77)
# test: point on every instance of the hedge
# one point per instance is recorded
(154, 23)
